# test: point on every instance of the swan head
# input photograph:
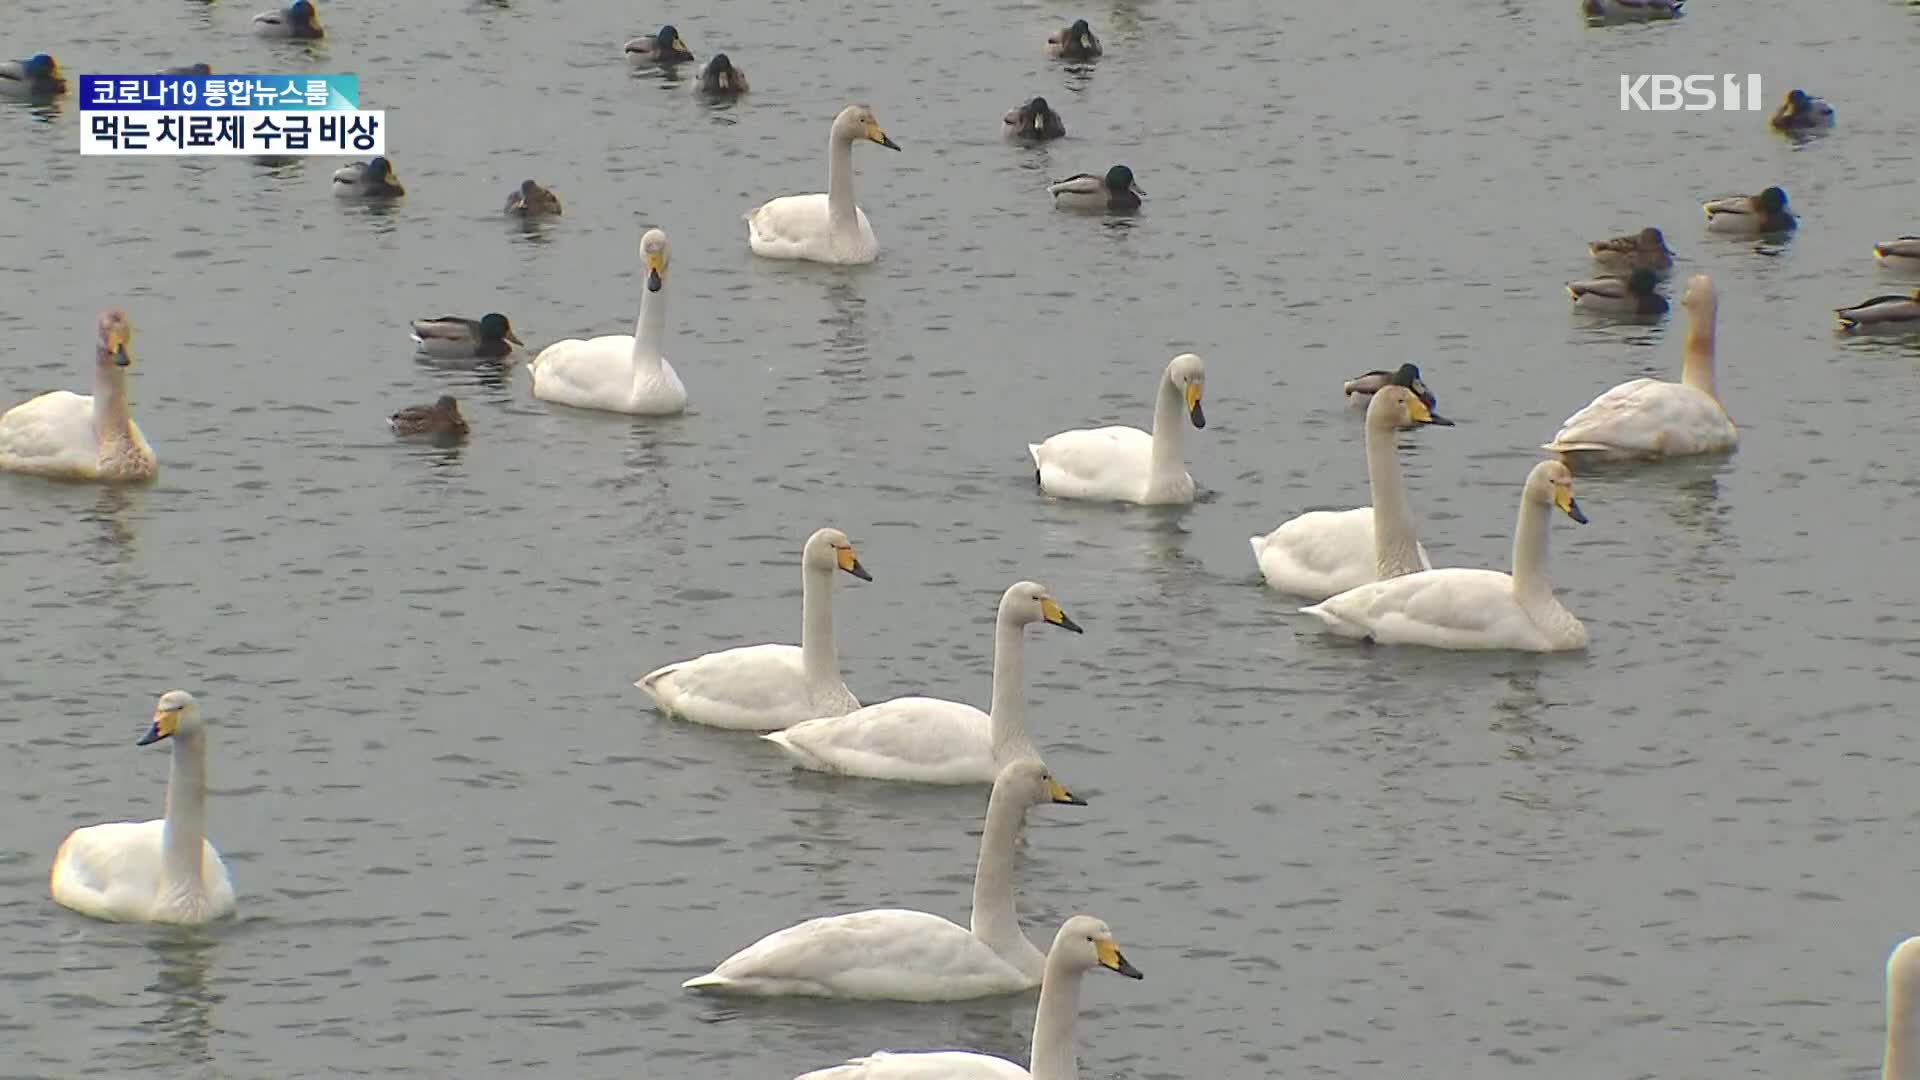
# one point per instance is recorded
(857, 122)
(1551, 482)
(1700, 299)
(1029, 602)
(116, 333)
(175, 714)
(830, 550)
(1033, 785)
(1084, 942)
(653, 253)
(1187, 372)
(1396, 406)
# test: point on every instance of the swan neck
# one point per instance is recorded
(840, 204)
(995, 921)
(818, 657)
(1697, 369)
(1008, 710)
(1530, 550)
(1169, 434)
(1053, 1055)
(650, 332)
(112, 419)
(185, 832)
(1903, 1035)
(1395, 549)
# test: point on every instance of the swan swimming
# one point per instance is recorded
(623, 373)
(76, 437)
(1125, 464)
(829, 228)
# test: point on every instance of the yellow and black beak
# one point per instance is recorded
(874, 133)
(1193, 405)
(165, 721)
(1050, 611)
(1423, 413)
(680, 46)
(656, 271)
(1563, 498)
(1111, 959)
(851, 564)
(1062, 796)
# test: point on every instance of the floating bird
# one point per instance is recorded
(1035, 120)
(368, 180)
(1763, 213)
(36, 78)
(1631, 295)
(1076, 42)
(720, 78)
(1630, 10)
(441, 419)
(1126, 464)
(1097, 194)
(188, 69)
(1363, 386)
(81, 437)
(299, 20)
(1800, 111)
(451, 337)
(829, 228)
(1644, 250)
(664, 47)
(1882, 313)
(624, 373)
(1900, 254)
(532, 200)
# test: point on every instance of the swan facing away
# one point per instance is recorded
(1453, 608)
(1649, 418)
(1125, 464)
(1083, 944)
(76, 437)
(892, 954)
(623, 373)
(1323, 552)
(769, 687)
(932, 740)
(163, 871)
(1902, 1061)
(829, 228)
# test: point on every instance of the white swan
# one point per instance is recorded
(77, 437)
(1125, 463)
(1902, 1061)
(1648, 418)
(932, 740)
(623, 373)
(1083, 943)
(768, 687)
(1323, 552)
(163, 871)
(1454, 608)
(828, 228)
(891, 954)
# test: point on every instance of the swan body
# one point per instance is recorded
(1323, 552)
(1125, 464)
(163, 871)
(298, 20)
(932, 740)
(720, 78)
(76, 437)
(892, 954)
(1361, 388)
(1644, 250)
(1630, 10)
(1901, 254)
(664, 47)
(453, 337)
(1649, 418)
(1090, 194)
(1750, 214)
(373, 179)
(1882, 313)
(532, 200)
(768, 687)
(1631, 295)
(1035, 121)
(1455, 608)
(1076, 42)
(829, 228)
(618, 372)
(1801, 111)
(1083, 944)
(37, 78)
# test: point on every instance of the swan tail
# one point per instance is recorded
(1575, 447)
(802, 758)
(709, 981)
(1259, 544)
(650, 682)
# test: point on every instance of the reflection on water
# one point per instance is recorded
(182, 1019)
(848, 321)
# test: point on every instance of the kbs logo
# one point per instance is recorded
(1693, 93)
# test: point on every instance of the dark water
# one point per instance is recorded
(463, 845)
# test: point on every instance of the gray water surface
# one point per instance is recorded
(463, 844)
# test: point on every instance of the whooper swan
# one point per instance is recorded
(77, 437)
(828, 228)
(623, 373)
(1126, 464)
(1902, 1061)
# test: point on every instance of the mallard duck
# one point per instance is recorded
(1763, 213)
(368, 180)
(1076, 42)
(1631, 295)
(1085, 191)
(1800, 111)
(1882, 313)
(532, 200)
(721, 79)
(1644, 250)
(188, 69)
(1631, 10)
(299, 20)
(1901, 254)
(34, 79)
(1364, 386)
(440, 419)
(1035, 120)
(451, 337)
(664, 47)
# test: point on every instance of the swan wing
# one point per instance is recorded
(931, 1065)
(924, 739)
(595, 373)
(749, 688)
(113, 872)
(1452, 608)
(887, 954)
(52, 434)
(1647, 416)
(798, 227)
(1319, 553)
(1108, 462)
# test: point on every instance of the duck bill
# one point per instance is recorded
(515, 338)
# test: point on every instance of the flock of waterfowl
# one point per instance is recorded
(1365, 568)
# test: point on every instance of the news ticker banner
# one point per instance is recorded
(228, 114)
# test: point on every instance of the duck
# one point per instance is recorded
(932, 740)
(37, 78)
(188, 69)
(1899, 254)
(664, 47)
(77, 437)
(829, 228)
(441, 419)
(1323, 552)
(1763, 213)
(1035, 121)
(1649, 418)
(894, 954)
(1455, 608)
(720, 78)
(769, 687)
(1083, 944)
(162, 871)
(1125, 464)
(1800, 111)
(1882, 313)
(368, 180)
(1076, 42)
(623, 373)
(1097, 194)
(451, 337)
(1901, 1059)
(1631, 295)
(298, 20)
(1644, 250)
(1631, 10)
(1361, 388)
(532, 200)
